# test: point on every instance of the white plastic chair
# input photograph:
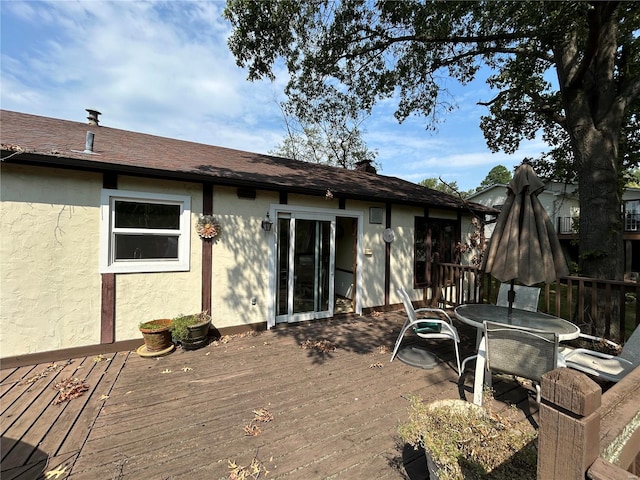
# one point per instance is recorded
(526, 297)
(608, 367)
(437, 325)
(515, 351)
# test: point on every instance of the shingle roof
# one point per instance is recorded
(55, 142)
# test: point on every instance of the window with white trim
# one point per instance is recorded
(144, 232)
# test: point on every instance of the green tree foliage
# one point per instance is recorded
(498, 175)
(447, 187)
(570, 69)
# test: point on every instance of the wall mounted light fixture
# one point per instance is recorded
(267, 223)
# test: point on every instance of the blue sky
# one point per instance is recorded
(164, 68)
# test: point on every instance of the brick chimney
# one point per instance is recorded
(365, 166)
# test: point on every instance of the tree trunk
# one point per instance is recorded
(601, 246)
(593, 120)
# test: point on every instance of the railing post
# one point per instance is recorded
(568, 440)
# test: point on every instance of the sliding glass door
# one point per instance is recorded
(306, 252)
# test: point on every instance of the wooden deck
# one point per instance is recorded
(186, 415)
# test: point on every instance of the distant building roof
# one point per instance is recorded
(62, 143)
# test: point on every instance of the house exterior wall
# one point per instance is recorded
(49, 240)
(51, 285)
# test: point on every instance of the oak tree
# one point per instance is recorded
(570, 69)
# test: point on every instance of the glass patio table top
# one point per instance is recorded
(475, 313)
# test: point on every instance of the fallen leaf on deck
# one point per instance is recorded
(55, 472)
(186, 369)
(69, 388)
(262, 415)
(252, 430)
(104, 397)
(166, 370)
(52, 367)
(323, 346)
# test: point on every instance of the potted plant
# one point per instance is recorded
(157, 337)
(191, 331)
(464, 441)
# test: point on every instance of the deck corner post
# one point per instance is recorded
(568, 441)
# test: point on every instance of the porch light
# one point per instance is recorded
(267, 223)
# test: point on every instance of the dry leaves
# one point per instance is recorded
(52, 367)
(251, 471)
(56, 472)
(260, 415)
(252, 430)
(323, 345)
(376, 365)
(69, 388)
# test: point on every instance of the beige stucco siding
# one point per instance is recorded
(403, 224)
(240, 258)
(372, 268)
(49, 239)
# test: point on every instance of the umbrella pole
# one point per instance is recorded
(511, 295)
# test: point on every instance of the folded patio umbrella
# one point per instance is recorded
(524, 246)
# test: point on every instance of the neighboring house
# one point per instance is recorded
(561, 202)
(98, 234)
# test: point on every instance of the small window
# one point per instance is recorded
(143, 232)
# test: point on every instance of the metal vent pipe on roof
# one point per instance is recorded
(93, 116)
(88, 144)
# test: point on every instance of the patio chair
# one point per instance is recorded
(437, 325)
(514, 351)
(526, 297)
(608, 367)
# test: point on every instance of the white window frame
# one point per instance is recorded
(107, 235)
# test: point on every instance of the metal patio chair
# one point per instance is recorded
(513, 351)
(427, 323)
(608, 367)
(526, 297)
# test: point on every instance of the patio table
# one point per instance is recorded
(475, 313)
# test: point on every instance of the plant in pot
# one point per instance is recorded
(191, 331)
(464, 441)
(157, 337)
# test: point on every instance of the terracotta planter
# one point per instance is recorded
(157, 340)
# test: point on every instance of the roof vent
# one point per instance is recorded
(93, 116)
(88, 144)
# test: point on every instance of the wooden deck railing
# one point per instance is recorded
(581, 300)
(586, 434)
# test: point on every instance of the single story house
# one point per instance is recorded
(101, 229)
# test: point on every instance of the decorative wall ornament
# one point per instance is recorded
(208, 226)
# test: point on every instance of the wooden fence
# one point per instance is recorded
(586, 434)
(580, 300)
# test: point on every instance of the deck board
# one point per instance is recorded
(335, 414)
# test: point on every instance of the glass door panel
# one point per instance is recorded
(282, 289)
(311, 265)
(304, 285)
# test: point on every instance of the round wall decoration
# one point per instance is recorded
(388, 235)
